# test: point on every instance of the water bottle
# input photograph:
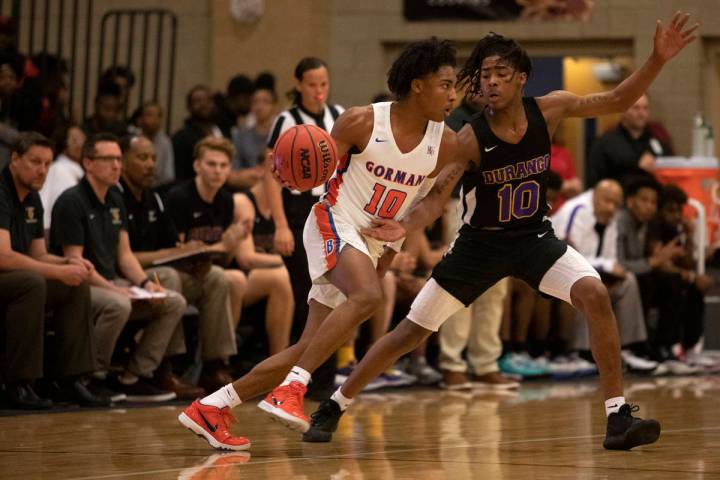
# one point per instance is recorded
(709, 142)
(698, 136)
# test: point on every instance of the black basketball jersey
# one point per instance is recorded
(507, 190)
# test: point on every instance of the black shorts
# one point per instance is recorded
(478, 259)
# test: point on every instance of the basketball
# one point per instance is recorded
(305, 156)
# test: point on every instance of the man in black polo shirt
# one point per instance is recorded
(153, 236)
(89, 220)
(628, 150)
(204, 211)
(33, 282)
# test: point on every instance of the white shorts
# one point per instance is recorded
(325, 234)
(434, 304)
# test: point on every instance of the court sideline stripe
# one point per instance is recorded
(404, 450)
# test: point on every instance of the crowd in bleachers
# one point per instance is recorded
(144, 265)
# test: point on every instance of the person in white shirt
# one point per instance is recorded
(66, 171)
(588, 223)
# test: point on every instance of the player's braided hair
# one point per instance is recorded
(492, 44)
(417, 60)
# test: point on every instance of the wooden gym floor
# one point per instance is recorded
(549, 430)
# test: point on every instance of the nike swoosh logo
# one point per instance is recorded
(540, 235)
(379, 140)
(490, 149)
(210, 427)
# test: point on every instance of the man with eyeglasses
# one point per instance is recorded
(90, 221)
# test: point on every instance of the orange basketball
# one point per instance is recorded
(305, 156)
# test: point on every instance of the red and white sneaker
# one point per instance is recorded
(285, 405)
(212, 424)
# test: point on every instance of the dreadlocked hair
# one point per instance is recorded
(417, 60)
(492, 44)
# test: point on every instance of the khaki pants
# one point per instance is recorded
(112, 311)
(476, 327)
(211, 295)
(628, 309)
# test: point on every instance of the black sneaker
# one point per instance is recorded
(100, 389)
(76, 392)
(323, 422)
(142, 391)
(22, 396)
(625, 431)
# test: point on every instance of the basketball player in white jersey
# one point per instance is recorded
(390, 154)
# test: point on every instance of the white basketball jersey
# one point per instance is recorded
(381, 181)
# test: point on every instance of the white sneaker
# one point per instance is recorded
(582, 366)
(395, 377)
(675, 367)
(704, 362)
(426, 375)
(636, 363)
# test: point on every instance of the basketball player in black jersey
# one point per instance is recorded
(504, 160)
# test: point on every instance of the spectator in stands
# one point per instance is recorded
(588, 223)
(267, 276)
(33, 282)
(627, 150)
(10, 74)
(41, 107)
(563, 163)
(203, 210)
(199, 124)
(148, 120)
(251, 142)
(232, 108)
(153, 237)
(66, 171)
(90, 221)
(108, 114)
(669, 227)
(658, 286)
(124, 78)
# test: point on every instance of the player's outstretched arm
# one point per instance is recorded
(456, 153)
(669, 41)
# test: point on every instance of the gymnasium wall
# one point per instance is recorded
(359, 39)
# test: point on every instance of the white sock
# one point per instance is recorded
(223, 397)
(612, 405)
(297, 374)
(341, 400)
(127, 378)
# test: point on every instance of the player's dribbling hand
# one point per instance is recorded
(385, 229)
(283, 241)
(673, 38)
(276, 176)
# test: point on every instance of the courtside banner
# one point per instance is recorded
(497, 10)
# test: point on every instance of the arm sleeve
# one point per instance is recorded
(5, 214)
(67, 227)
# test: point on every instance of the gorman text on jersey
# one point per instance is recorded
(394, 175)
